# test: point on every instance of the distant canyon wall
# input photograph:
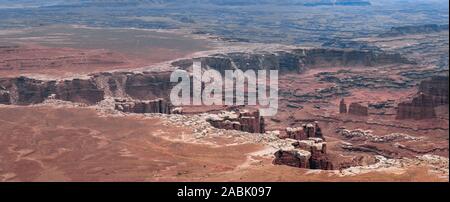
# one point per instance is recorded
(415, 29)
(433, 92)
(154, 85)
(145, 86)
(297, 60)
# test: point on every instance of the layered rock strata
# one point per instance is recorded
(242, 120)
(142, 86)
(433, 92)
(358, 109)
(147, 106)
(342, 107)
(153, 85)
(310, 130)
(420, 107)
(294, 158)
(438, 88)
(295, 60)
(310, 153)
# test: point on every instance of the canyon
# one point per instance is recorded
(152, 85)
(87, 97)
(147, 92)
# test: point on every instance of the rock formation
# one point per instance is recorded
(295, 158)
(153, 85)
(433, 92)
(318, 149)
(296, 60)
(438, 88)
(149, 106)
(310, 153)
(342, 107)
(23, 90)
(310, 130)
(296, 133)
(241, 120)
(143, 86)
(312, 145)
(358, 109)
(421, 107)
(368, 136)
(77, 90)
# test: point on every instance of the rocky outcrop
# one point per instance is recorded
(77, 90)
(154, 85)
(358, 109)
(296, 133)
(310, 130)
(342, 107)
(367, 135)
(148, 106)
(310, 153)
(23, 90)
(141, 86)
(321, 57)
(421, 107)
(438, 88)
(242, 120)
(348, 79)
(433, 92)
(294, 158)
(284, 61)
(296, 60)
(313, 145)
(318, 149)
(321, 162)
(370, 148)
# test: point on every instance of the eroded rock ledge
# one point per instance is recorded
(154, 85)
(296, 60)
(433, 92)
(242, 120)
(160, 106)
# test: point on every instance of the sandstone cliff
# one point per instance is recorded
(154, 85)
(358, 109)
(310, 130)
(421, 107)
(433, 92)
(438, 88)
(160, 106)
(310, 153)
(296, 60)
(145, 86)
(242, 120)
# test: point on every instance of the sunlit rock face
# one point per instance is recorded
(159, 106)
(242, 120)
